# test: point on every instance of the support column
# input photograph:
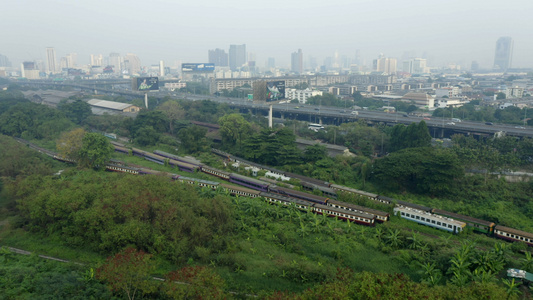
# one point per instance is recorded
(270, 117)
(146, 100)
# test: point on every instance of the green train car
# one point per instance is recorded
(476, 224)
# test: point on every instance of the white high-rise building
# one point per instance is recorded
(132, 63)
(161, 68)
(116, 61)
(51, 60)
(97, 60)
(71, 60)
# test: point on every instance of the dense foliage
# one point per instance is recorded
(107, 212)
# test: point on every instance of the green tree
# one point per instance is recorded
(147, 135)
(76, 111)
(234, 129)
(70, 143)
(315, 153)
(96, 150)
(500, 96)
(173, 111)
(193, 139)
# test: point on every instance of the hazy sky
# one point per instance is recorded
(444, 31)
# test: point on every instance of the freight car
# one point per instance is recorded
(249, 182)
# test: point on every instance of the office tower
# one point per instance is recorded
(71, 60)
(219, 57)
(4, 61)
(97, 60)
(474, 66)
(416, 66)
(237, 56)
(161, 68)
(51, 59)
(504, 53)
(385, 64)
(297, 59)
(132, 63)
(271, 63)
(116, 61)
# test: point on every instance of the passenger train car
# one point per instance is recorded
(429, 219)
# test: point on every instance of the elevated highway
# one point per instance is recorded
(438, 127)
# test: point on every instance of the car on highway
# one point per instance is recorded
(296, 107)
(316, 108)
(489, 123)
(519, 127)
(406, 115)
(450, 123)
(355, 113)
(426, 118)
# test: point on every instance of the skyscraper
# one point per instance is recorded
(116, 61)
(297, 59)
(219, 57)
(132, 63)
(51, 59)
(4, 61)
(237, 56)
(504, 53)
(97, 60)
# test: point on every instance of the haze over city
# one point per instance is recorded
(442, 31)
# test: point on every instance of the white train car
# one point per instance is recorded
(430, 219)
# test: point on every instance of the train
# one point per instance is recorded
(253, 188)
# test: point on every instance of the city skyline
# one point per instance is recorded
(443, 33)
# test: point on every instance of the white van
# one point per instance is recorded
(456, 120)
(315, 127)
(355, 113)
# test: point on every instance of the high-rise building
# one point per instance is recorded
(71, 60)
(97, 60)
(504, 53)
(297, 61)
(385, 64)
(416, 66)
(161, 68)
(219, 57)
(237, 56)
(4, 61)
(271, 63)
(51, 59)
(132, 63)
(116, 61)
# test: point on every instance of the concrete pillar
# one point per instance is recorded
(270, 117)
(146, 100)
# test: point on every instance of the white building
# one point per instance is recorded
(450, 92)
(450, 102)
(301, 95)
(514, 92)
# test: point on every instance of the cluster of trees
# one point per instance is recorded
(107, 212)
(411, 136)
(473, 112)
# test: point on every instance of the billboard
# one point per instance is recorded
(145, 84)
(190, 67)
(275, 90)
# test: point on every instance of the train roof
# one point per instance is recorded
(347, 212)
(176, 157)
(462, 217)
(358, 207)
(239, 188)
(412, 205)
(308, 179)
(198, 180)
(246, 178)
(514, 231)
(303, 194)
(286, 199)
(351, 190)
(430, 215)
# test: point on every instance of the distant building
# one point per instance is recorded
(100, 107)
(385, 65)
(97, 60)
(29, 70)
(420, 99)
(301, 95)
(503, 54)
(132, 63)
(237, 56)
(51, 60)
(116, 62)
(450, 92)
(297, 62)
(416, 66)
(514, 92)
(4, 61)
(219, 57)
